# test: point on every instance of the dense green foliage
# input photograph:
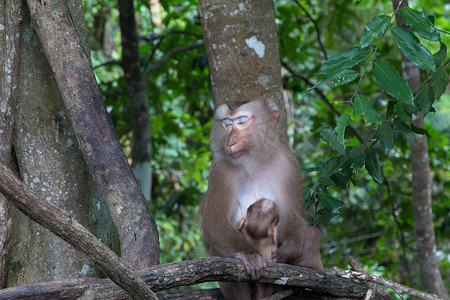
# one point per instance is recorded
(351, 132)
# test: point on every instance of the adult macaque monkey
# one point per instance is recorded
(259, 228)
(251, 161)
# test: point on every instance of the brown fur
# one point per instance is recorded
(264, 168)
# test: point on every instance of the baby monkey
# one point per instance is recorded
(259, 228)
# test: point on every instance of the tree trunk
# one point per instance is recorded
(422, 183)
(49, 161)
(141, 151)
(11, 16)
(242, 48)
(95, 133)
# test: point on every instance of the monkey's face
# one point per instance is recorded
(240, 129)
(236, 129)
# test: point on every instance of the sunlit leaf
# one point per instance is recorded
(386, 136)
(342, 122)
(373, 165)
(378, 25)
(362, 106)
(343, 77)
(344, 60)
(392, 82)
(413, 50)
(419, 23)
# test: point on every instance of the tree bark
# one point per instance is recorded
(95, 133)
(12, 17)
(422, 183)
(242, 48)
(48, 160)
(66, 227)
(162, 277)
(141, 151)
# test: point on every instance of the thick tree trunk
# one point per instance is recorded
(49, 161)
(422, 182)
(95, 133)
(141, 152)
(11, 15)
(242, 48)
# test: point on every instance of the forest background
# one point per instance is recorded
(376, 223)
(360, 196)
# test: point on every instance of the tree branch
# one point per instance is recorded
(63, 225)
(316, 27)
(157, 66)
(152, 37)
(161, 277)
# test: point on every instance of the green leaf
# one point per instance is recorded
(403, 114)
(386, 136)
(342, 178)
(366, 39)
(413, 50)
(405, 130)
(439, 56)
(392, 82)
(419, 23)
(419, 130)
(330, 203)
(330, 137)
(426, 98)
(325, 181)
(373, 165)
(439, 82)
(378, 25)
(357, 156)
(344, 60)
(342, 122)
(332, 165)
(362, 106)
(343, 77)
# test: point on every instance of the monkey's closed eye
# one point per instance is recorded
(227, 122)
(242, 120)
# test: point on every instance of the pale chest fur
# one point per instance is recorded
(266, 182)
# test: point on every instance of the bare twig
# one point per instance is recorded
(152, 37)
(157, 66)
(397, 287)
(316, 27)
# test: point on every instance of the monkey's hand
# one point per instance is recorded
(254, 264)
(287, 253)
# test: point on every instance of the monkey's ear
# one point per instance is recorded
(276, 113)
(273, 234)
(242, 222)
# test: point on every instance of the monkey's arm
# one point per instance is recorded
(292, 227)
